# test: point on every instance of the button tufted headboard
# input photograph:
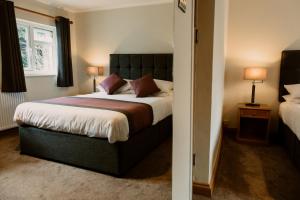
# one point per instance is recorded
(133, 66)
(289, 71)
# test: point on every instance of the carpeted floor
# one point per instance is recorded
(26, 178)
(246, 172)
(252, 172)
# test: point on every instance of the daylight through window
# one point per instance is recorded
(38, 48)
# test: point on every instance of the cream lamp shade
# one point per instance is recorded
(95, 71)
(255, 73)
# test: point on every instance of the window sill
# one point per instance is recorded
(39, 75)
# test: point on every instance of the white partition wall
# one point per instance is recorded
(182, 119)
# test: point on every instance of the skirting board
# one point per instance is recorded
(6, 128)
(207, 189)
(203, 189)
(6, 132)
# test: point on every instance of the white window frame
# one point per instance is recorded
(52, 71)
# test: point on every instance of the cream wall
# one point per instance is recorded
(258, 31)
(42, 87)
(202, 89)
(219, 45)
(143, 29)
(208, 86)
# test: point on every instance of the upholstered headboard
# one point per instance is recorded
(133, 66)
(289, 71)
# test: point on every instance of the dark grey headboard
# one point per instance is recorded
(289, 71)
(133, 66)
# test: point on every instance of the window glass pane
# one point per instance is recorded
(23, 33)
(42, 56)
(42, 35)
(38, 48)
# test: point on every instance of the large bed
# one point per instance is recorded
(289, 124)
(94, 131)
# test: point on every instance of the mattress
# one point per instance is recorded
(92, 122)
(290, 114)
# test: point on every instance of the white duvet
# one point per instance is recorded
(89, 121)
(290, 114)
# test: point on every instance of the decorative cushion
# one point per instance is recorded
(112, 83)
(144, 86)
(125, 89)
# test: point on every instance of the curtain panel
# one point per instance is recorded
(65, 72)
(13, 79)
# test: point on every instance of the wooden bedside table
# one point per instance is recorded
(254, 124)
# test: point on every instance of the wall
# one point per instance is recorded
(259, 30)
(208, 85)
(219, 50)
(182, 111)
(143, 29)
(202, 89)
(42, 87)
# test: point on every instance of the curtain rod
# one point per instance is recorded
(38, 13)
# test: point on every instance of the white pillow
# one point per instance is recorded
(294, 90)
(125, 89)
(164, 86)
(99, 88)
(163, 94)
(290, 98)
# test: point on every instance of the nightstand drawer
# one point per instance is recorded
(254, 124)
(255, 113)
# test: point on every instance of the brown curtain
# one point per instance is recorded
(13, 79)
(65, 72)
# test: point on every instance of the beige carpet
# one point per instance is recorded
(25, 177)
(246, 172)
(253, 172)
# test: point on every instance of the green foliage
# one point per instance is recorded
(23, 35)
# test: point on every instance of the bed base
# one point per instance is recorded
(93, 153)
(290, 142)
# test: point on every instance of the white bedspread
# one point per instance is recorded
(89, 121)
(290, 114)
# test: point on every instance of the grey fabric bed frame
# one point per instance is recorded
(95, 153)
(289, 74)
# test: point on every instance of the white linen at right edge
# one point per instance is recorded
(290, 114)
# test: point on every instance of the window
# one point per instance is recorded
(38, 46)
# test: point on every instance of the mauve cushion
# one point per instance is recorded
(112, 83)
(144, 86)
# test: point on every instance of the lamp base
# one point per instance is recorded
(252, 104)
(94, 84)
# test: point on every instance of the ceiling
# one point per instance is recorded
(92, 5)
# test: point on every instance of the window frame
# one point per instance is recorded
(52, 70)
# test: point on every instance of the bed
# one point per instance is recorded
(289, 123)
(110, 152)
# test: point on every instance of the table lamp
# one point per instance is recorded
(256, 75)
(95, 71)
